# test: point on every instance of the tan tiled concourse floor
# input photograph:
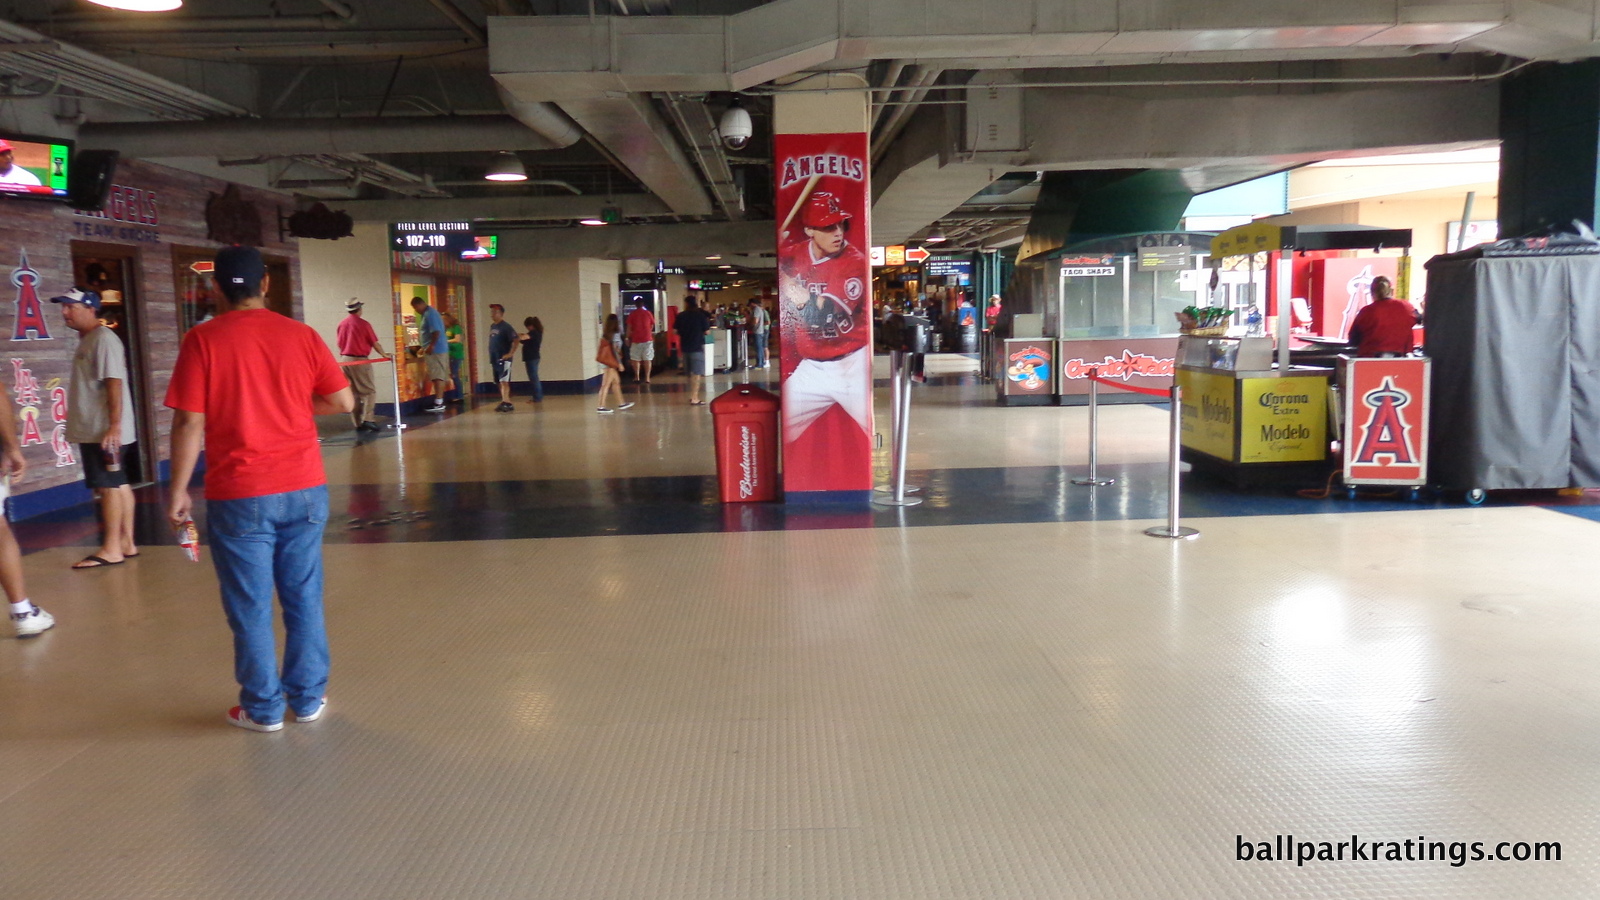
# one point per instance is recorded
(1029, 710)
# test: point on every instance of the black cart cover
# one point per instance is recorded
(1515, 343)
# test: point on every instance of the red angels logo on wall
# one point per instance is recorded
(30, 312)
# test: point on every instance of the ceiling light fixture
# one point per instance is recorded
(714, 256)
(139, 5)
(507, 166)
(935, 236)
(592, 221)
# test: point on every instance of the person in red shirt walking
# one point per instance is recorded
(1383, 327)
(357, 340)
(246, 386)
(641, 342)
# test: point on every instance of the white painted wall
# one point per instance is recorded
(564, 293)
(332, 272)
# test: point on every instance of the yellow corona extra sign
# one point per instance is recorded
(1283, 419)
(1257, 237)
(1208, 421)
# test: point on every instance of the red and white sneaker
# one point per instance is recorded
(237, 716)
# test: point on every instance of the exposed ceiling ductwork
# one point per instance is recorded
(296, 137)
(95, 76)
(560, 57)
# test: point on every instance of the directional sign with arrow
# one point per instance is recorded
(916, 254)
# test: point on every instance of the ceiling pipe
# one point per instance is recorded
(543, 182)
(546, 119)
(892, 79)
(323, 22)
(467, 26)
(896, 122)
(296, 137)
(340, 9)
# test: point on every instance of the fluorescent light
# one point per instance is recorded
(591, 221)
(714, 256)
(139, 5)
(506, 167)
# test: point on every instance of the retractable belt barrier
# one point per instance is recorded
(398, 425)
(1175, 395)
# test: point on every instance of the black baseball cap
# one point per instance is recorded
(241, 266)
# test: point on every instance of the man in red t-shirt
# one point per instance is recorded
(828, 321)
(246, 385)
(1383, 327)
(641, 342)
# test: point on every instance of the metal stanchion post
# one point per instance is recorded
(899, 395)
(1173, 529)
(1094, 478)
(398, 424)
(901, 375)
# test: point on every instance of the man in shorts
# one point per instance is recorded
(641, 342)
(502, 346)
(100, 422)
(436, 347)
(692, 325)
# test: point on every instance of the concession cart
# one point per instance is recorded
(1249, 414)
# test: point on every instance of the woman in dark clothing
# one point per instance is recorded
(531, 342)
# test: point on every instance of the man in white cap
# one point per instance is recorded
(11, 173)
(357, 340)
(100, 421)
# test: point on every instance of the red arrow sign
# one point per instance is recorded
(916, 254)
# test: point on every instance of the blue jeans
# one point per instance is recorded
(761, 348)
(455, 376)
(258, 543)
(532, 365)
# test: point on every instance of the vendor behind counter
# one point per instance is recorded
(1382, 328)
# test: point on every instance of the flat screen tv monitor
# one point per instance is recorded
(485, 246)
(32, 166)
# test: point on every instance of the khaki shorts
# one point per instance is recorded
(438, 366)
(643, 351)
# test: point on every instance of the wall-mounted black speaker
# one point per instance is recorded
(89, 179)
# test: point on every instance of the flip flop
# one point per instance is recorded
(97, 563)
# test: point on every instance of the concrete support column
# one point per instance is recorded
(1549, 147)
(824, 338)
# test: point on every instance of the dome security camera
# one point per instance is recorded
(735, 127)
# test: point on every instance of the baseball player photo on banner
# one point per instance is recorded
(825, 311)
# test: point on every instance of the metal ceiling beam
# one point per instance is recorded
(694, 122)
(293, 137)
(634, 134)
(517, 209)
(649, 241)
(95, 76)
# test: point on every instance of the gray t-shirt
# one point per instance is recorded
(100, 356)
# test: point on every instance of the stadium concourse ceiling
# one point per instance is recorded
(397, 108)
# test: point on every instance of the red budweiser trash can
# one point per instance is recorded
(746, 424)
